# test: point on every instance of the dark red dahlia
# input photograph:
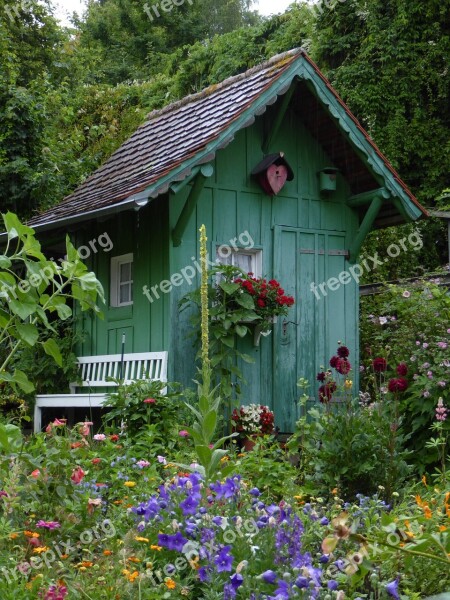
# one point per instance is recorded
(398, 384)
(379, 364)
(343, 366)
(402, 369)
(343, 351)
(326, 391)
(321, 376)
(333, 361)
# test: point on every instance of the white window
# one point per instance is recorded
(249, 261)
(122, 280)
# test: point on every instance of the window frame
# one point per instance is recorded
(116, 282)
(256, 258)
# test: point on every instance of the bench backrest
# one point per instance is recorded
(94, 370)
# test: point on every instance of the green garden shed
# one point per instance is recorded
(202, 160)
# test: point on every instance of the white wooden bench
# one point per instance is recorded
(94, 373)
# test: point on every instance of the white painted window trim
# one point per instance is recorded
(255, 254)
(116, 262)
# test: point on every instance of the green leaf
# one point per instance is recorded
(209, 424)
(51, 348)
(5, 262)
(246, 301)
(27, 333)
(22, 381)
(228, 341)
(229, 288)
(24, 307)
(14, 227)
(241, 330)
(204, 454)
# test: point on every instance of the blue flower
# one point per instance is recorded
(223, 560)
(236, 580)
(269, 576)
(324, 521)
(255, 492)
(332, 585)
(302, 582)
(392, 589)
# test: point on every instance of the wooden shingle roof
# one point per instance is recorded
(188, 133)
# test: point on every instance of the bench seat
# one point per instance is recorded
(95, 372)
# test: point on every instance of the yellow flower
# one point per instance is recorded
(157, 548)
(224, 459)
(141, 539)
(424, 480)
(129, 484)
(170, 583)
(348, 384)
(134, 559)
(40, 549)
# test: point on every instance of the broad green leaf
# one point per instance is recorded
(209, 424)
(51, 348)
(14, 227)
(241, 330)
(246, 301)
(27, 333)
(24, 307)
(229, 288)
(228, 341)
(5, 262)
(204, 454)
(22, 381)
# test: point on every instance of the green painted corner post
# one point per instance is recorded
(365, 227)
(205, 172)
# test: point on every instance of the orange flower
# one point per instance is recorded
(87, 563)
(424, 480)
(35, 473)
(419, 501)
(13, 536)
(107, 552)
(170, 584)
(427, 512)
(442, 528)
(157, 548)
(134, 559)
(40, 549)
(31, 534)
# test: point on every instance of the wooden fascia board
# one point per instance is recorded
(359, 142)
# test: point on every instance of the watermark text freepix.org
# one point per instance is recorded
(356, 271)
(165, 6)
(189, 272)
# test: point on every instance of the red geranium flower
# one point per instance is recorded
(77, 475)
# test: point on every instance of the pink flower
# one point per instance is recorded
(441, 411)
(161, 459)
(99, 437)
(183, 433)
(85, 428)
(143, 463)
(48, 524)
(77, 475)
(149, 401)
(35, 473)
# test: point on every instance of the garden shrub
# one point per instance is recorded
(409, 324)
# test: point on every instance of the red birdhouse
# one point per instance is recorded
(272, 173)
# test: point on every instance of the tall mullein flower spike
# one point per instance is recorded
(204, 307)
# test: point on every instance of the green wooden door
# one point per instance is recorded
(305, 339)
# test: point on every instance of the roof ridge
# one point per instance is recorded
(223, 84)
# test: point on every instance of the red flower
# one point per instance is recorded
(402, 369)
(96, 461)
(77, 475)
(260, 303)
(321, 376)
(333, 361)
(398, 384)
(343, 351)
(343, 366)
(114, 437)
(379, 364)
(326, 391)
(149, 401)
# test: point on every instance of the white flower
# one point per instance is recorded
(382, 320)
